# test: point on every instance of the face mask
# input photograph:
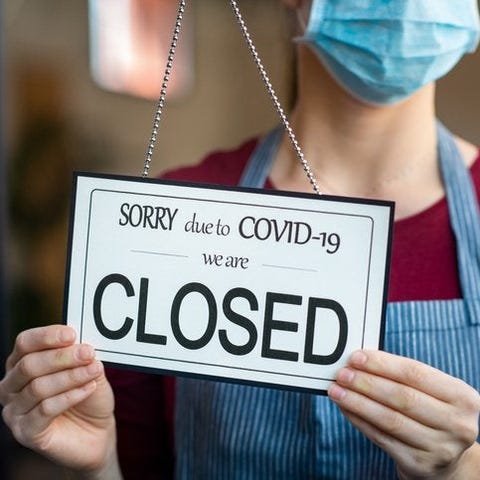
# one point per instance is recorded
(382, 51)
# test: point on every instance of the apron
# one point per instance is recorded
(237, 432)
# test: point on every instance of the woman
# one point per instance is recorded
(365, 119)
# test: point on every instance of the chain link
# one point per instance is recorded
(163, 91)
(274, 98)
(263, 74)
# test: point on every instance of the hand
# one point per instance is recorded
(426, 420)
(57, 401)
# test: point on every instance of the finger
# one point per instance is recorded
(396, 449)
(389, 421)
(410, 372)
(38, 339)
(39, 419)
(39, 364)
(52, 385)
(413, 403)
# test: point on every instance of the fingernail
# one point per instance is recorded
(358, 358)
(86, 352)
(336, 393)
(66, 335)
(345, 376)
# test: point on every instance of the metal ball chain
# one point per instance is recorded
(273, 96)
(163, 91)
(263, 74)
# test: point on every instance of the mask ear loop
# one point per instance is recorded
(301, 20)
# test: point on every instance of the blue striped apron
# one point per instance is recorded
(237, 432)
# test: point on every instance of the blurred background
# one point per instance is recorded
(79, 82)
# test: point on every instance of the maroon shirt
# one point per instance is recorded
(424, 267)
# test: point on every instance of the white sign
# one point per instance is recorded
(263, 287)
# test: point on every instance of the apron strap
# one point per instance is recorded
(258, 167)
(464, 218)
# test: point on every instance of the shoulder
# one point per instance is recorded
(219, 167)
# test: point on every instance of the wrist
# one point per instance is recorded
(109, 469)
(468, 465)
(466, 468)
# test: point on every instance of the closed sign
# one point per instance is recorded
(261, 287)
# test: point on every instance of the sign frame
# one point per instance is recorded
(213, 187)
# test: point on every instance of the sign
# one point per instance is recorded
(262, 287)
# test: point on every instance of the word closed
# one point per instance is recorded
(313, 321)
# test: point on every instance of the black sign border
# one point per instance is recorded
(76, 175)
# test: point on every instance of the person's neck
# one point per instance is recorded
(359, 150)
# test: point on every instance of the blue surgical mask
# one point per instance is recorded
(382, 51)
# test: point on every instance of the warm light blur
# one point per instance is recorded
(129, 45)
